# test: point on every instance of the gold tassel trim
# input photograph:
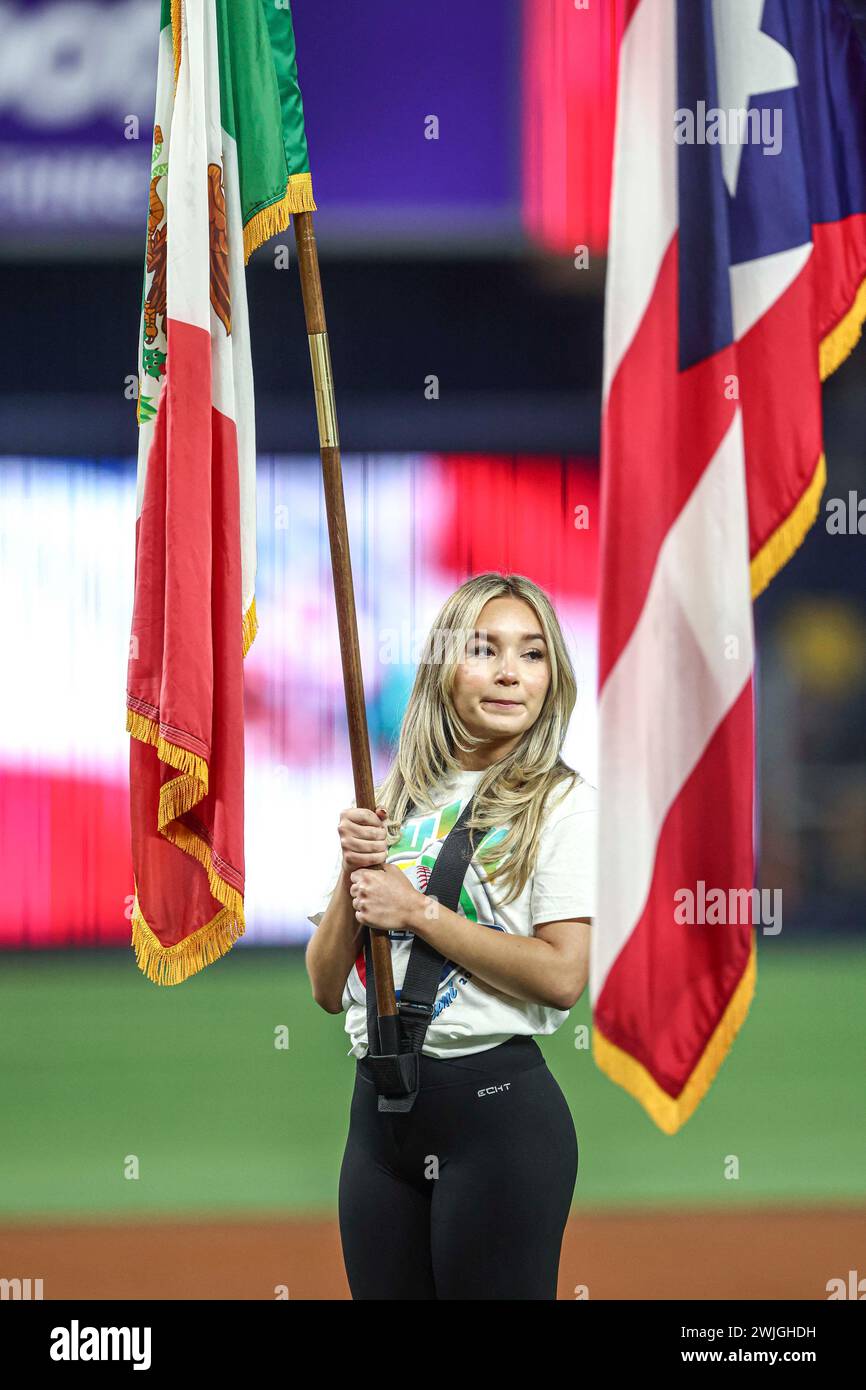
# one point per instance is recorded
(171, 965)
(250, 625)
(176, 797)
(668, 1112)
(147, 731)
(842, 339)
(778, 549)
(264, 224)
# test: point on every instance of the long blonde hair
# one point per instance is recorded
(516, 789)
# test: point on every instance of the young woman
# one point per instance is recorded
(467, 1194)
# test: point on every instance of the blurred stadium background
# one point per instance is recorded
(452, 259)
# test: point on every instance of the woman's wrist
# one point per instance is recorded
(423, 916)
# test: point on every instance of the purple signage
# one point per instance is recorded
(412, 118)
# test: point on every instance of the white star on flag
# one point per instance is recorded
(748, 64)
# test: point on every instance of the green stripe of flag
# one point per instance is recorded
(261, 109)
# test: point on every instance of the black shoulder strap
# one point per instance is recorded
(418, 993)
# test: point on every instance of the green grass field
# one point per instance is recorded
(99, 1064)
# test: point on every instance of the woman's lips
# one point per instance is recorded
(503, 704)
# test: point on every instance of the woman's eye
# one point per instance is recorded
(484, 649)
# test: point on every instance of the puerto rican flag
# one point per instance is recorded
(736, 283)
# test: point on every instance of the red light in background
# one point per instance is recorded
(518, 513)
(569, 85)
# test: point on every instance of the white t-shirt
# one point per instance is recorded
(469, 1014)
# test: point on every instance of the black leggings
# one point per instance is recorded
(467, 1195)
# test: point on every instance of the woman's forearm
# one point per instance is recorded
(523, 966)
(333, 948)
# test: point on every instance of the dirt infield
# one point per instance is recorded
(778, 1253)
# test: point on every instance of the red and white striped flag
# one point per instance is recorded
(735, 284)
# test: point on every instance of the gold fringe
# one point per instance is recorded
(778, 549)
(298, 197)
(176, 39)
(670, 1113)
(842, 339)
(147, 731)
(171, 965)
(250, 625)
(177, 796)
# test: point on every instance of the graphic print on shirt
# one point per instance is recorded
(415, 854)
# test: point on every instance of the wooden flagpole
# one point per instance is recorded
(344, 594)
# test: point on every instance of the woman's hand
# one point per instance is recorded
(363, 837)
(385, 898)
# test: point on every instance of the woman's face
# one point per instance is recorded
(500, 686)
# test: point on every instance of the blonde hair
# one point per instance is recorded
(517, 788)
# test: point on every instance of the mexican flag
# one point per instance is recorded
(229, 165)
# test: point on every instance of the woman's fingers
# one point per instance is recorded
(353, 838)
(362, 854)
(359, 845)
(359, 817)
(363, 837)
(362, 830)
(352, 860)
